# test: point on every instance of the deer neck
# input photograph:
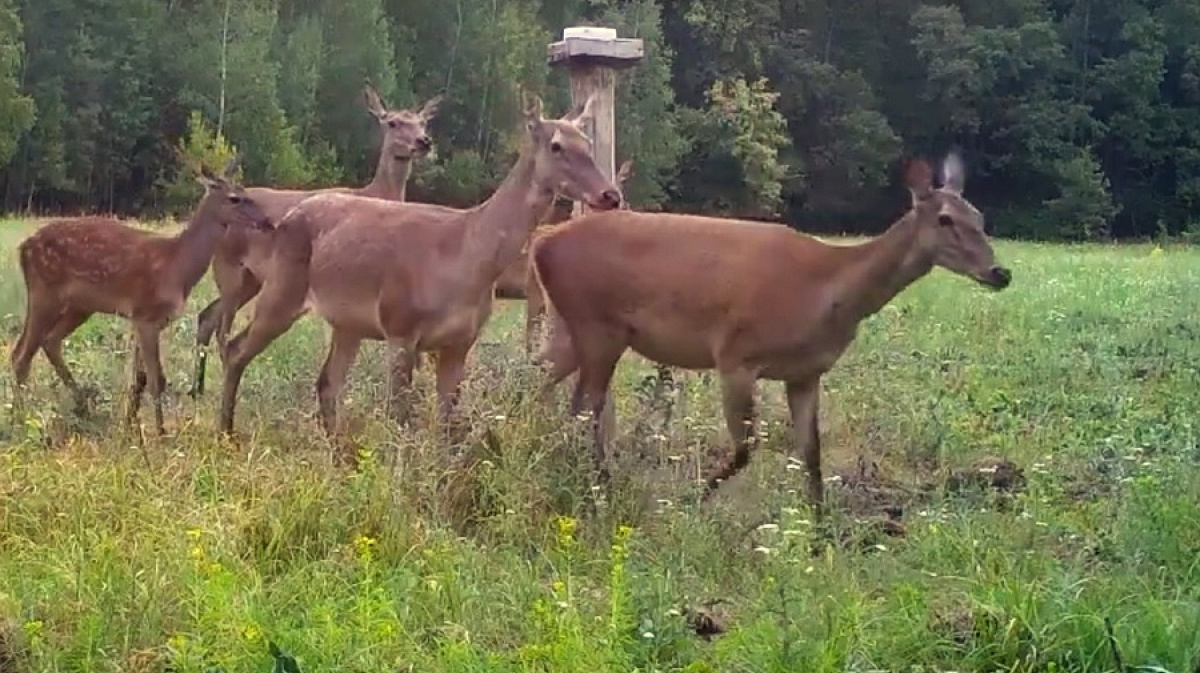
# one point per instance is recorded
(883, 268)
(498, 229)
(196, 244)
(391, 178)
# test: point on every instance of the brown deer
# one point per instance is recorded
(75, 268)
(419, 276)
(519, 282)
(751, 300)
(404, 138)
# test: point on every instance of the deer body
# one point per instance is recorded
(240, 257)
(419, 276)
(76, 268)
(374, 292)
(750, 300)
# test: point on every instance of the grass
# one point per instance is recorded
(122, 554)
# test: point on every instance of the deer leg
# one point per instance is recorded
(212, 319)
(680, 403)
(227, 275)
(597, 361)
(664, 385)
(737, 397)
(803, 402)
(451, 369)
(206, 322)
(558, 356)
(217, 320)
(52, 346)
(137, 384)
(403, 359)
(281, 305)
(148, 345)
(247, 288)
(39, 321)
(535, 309)
(343, 349)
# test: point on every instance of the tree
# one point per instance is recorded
(1078, 117)
(736, 150)
(16, 109)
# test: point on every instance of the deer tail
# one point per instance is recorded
(24, 258)
(556, 344)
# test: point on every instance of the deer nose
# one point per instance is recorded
(1001, 277)
(424, 142)
(611, 198)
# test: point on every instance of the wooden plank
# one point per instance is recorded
(620, 53)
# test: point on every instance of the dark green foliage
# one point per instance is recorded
(1080, 119)
(284, 662)
(16, 109)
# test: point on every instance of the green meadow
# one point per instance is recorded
(1013, 479)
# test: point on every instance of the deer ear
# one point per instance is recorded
(231, 168)
(918, 177)
(533, 112)
(954, 173)
(582, 116)
(533, 107)
(430, 109)
(625, 171)
(373, 102)
(205, 177)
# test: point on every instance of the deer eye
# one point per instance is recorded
(556, 147)
(236, 199)
(945, 220)
(391, 123)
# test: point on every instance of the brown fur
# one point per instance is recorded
(751, 300)
(76, 268)
(419, 276)
(240, 255)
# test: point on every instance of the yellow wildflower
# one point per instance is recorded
(566, 531)
(364, 547)
(251, 633)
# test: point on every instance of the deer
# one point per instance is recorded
(403, 139)
(76, 268)
(420, 277)
(750, 300)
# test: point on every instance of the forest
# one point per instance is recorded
(1078, 119)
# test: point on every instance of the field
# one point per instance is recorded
(1014, 477)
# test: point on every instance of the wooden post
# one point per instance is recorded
(591, 56)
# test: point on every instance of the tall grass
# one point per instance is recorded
(119, 553)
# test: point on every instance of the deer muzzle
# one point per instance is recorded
(610, 199)
(999, 277)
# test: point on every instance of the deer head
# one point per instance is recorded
(562, 157)
(228, 200)
(404, 132)
(562, 208)
(951, 228)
